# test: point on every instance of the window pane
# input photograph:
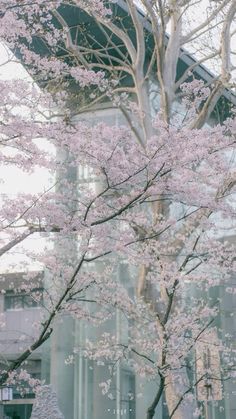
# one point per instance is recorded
(14, 301)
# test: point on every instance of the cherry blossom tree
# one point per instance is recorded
(158, 195)
(46, 397)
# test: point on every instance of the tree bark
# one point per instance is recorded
(151, 410)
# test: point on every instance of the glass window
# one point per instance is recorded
(22, 300)
(21, 411)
